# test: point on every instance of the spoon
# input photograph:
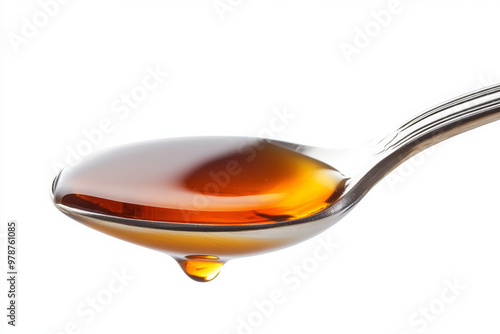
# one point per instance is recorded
(207, 200)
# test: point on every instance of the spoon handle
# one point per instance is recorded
(429, 128)
(446, 120)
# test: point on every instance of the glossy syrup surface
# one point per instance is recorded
(200, 180)
(213, 180)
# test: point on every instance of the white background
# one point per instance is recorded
(227, 74)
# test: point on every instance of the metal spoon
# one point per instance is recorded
(202, 249)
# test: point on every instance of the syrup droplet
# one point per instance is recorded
(201, 268)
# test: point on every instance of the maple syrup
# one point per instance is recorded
(162, 194)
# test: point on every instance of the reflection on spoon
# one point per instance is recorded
(207, 200)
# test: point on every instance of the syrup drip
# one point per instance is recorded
(201, 268)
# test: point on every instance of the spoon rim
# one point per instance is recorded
(195, 227)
